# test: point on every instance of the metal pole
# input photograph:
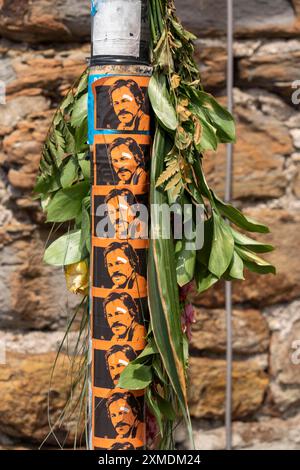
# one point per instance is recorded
(228, 197)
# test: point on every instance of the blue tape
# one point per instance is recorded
(91, 103)
(94, 7)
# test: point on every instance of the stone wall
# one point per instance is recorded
(44, 45)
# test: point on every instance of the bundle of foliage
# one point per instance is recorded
(188, 123)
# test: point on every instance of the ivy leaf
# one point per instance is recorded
(222, 247)
(65, 250)
(79, 112)
(69, 173)
(135, 377)
(161, 102)
(66, 204)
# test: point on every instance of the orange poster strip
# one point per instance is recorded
(121, 159)
(119, 308)
(121, 103)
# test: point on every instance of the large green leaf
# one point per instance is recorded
(161, 102)
(222, 246)
(79, 112)
(85, 165)
(204, 279)
(66, 204)
(147, 353)
(69, 172)
(204, 254)
(57, 145)
(159, 369)
(185, 262)
(47, 184)
(209, 109)
(163, 339)
(65, 250)
(165, 312)
(255, 263)
(237, 218)
(252, 245)
(236, 268)
(203, 186)
(163, 246)
(135, 377)
(209, 139)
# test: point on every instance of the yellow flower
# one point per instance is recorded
(77, 278)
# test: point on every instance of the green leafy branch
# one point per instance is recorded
(64, 179)
(189, 122)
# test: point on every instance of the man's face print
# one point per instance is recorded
(125, 105)
(120, 214)
(121, 417)
(119, 267)
(122, 446)
(118, 317)
(123, 162)
(116, 363)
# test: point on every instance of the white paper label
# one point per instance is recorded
(117, 28)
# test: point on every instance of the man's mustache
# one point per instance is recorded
(121, 424)
(117, 273)
(117, 324)
(116, 377)
(123, 170)
(123, 112)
